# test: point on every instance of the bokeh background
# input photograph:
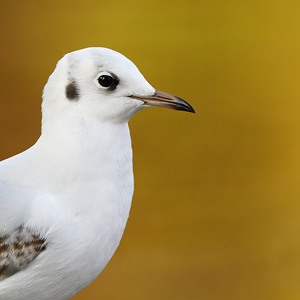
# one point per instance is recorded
(216, 209)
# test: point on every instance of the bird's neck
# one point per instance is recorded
(78, 136)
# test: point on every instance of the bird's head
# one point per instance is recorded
(102, 84)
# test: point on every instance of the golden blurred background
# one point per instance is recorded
(216, 209)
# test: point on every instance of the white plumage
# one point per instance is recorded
(65, 201)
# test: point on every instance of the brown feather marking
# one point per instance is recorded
(3, 249)
(3, 239)
(3, 270)
(18, 250)
(17, 246)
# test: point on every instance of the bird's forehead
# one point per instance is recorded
(97, 59)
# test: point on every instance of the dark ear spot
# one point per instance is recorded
(72, 91)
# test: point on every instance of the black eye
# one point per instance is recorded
(105, 80)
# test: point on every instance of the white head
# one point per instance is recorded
(102, 84)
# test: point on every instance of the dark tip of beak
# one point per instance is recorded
(183, 105)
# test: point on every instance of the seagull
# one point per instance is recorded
(65, 201)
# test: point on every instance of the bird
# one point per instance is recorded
(65, 201)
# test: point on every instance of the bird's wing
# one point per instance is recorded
(20, 244)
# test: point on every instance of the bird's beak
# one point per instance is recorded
(166, 100)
